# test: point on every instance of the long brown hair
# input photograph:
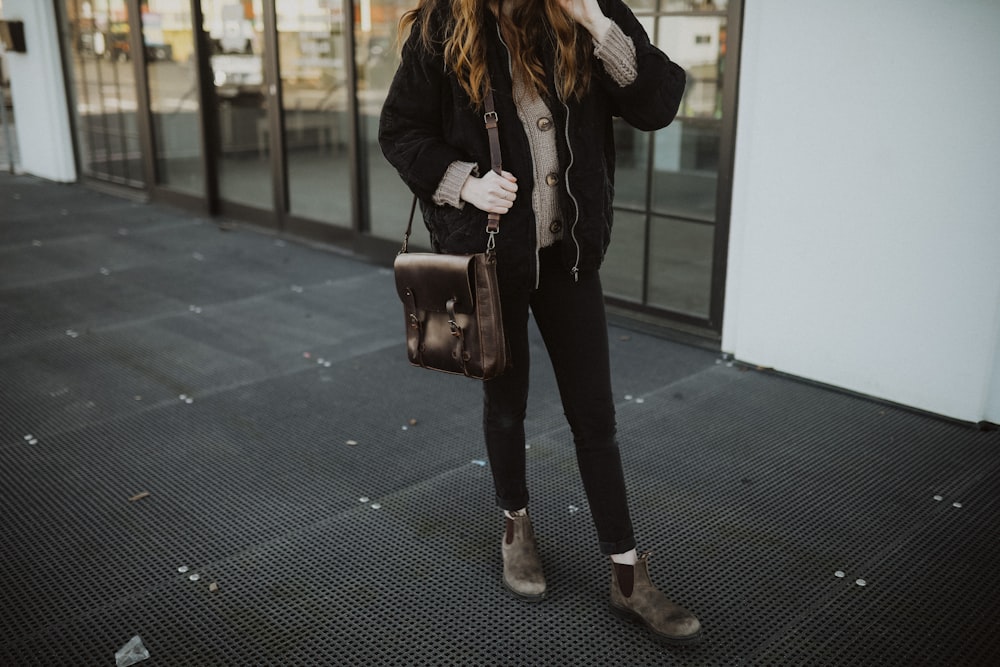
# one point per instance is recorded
(532, 24)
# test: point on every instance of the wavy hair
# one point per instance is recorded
(531, 25)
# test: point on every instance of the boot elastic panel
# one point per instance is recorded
(626, 578)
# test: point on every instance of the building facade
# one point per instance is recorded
(812, 209)
(267, 110)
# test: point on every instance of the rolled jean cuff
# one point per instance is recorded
(619, 547)
(513, 506)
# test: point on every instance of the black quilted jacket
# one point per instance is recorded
(428, 122)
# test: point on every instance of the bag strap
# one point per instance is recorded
(409, 227)
(491, 120)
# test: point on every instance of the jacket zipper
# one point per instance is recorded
(576, 205)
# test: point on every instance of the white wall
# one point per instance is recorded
(865, 240)
(39, 94)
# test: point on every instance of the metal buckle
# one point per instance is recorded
(491, 115)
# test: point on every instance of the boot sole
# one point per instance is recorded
(630, 615)
(521, 596)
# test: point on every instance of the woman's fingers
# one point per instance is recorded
(503, 191)
(504, 180)
(493, 193)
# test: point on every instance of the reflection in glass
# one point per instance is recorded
(642, 5)
(680, 274)
(677, 5)
(686, 154)
(104, 88)
(698, 44)
(314, 90)
(173, 94)
(685, 169)
(632, 151)
(376, 58)
(235, 31)
(621, 273)
(692, 5)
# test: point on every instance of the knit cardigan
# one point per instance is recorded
(428, 122)
(617, 53)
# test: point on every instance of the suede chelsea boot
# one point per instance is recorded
(634, 596)
(522, 568)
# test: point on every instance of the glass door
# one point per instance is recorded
(8, 151)
(240, 140)
(376, 54)
(316, 118)
(174, 100)
(104, 90)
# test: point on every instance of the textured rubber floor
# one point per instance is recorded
(338, 499)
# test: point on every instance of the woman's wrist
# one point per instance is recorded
(587, 13)
(598, 27)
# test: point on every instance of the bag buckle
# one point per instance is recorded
(456, 330)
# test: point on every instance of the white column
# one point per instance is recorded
(39, 93)
(865, 238)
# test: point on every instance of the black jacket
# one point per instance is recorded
(428, 122)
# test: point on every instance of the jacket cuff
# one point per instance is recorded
(449, 190)
(617, 53)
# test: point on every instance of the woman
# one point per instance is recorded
(559, 71)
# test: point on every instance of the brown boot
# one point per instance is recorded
(634, 596)
(522, 568)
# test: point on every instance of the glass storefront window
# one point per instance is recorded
(104, 90)
(315, 101)
(667, 181)
(172, 75)
(680, 166)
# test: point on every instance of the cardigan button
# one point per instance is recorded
(555, 226)
(552, 179)
(544, 123)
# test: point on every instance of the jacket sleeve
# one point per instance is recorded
(410, 126)
(651, 101)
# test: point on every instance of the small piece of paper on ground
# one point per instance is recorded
(131, 653)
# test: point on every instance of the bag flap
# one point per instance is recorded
(433, 279)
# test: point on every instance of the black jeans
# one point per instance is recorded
(570, 316)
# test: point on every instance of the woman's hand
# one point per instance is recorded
(493, 193)
(588, 14)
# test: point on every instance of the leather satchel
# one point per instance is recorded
(452, 302)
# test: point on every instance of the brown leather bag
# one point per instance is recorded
(452, 302)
